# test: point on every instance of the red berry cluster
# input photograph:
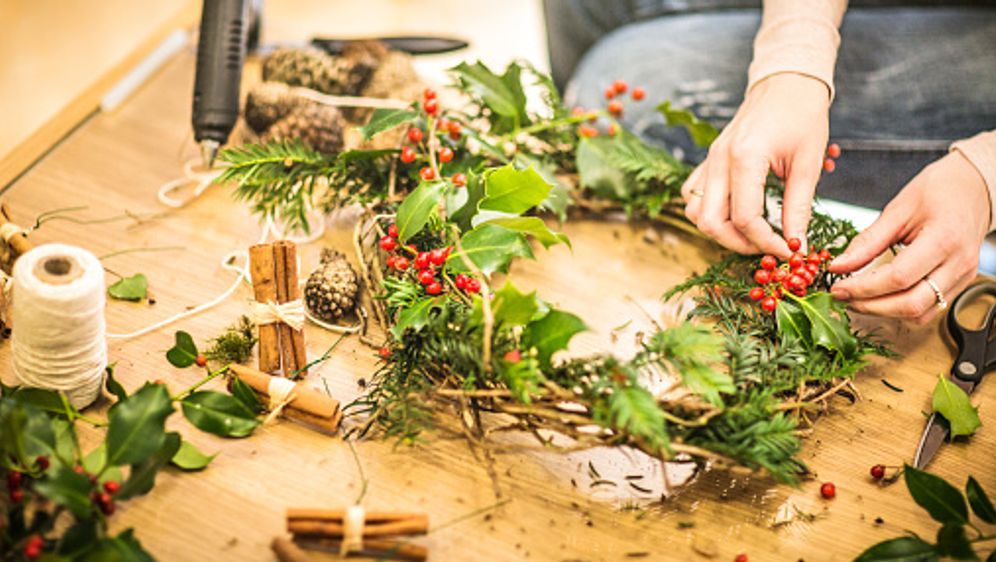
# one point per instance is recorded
(416, 136)
(833, 152)
(426, 264)
(613, 95)
(33, 546)
(794, 276)
(101, 497)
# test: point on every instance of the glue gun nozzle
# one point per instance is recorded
(209, 149)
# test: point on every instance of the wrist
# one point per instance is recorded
(799, 86)
(958, 170)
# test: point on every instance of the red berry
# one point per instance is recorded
(795, 283)
(769, 304)
(108, 508)
(779, 275)
(445, 154)
(638, 93)
(415, 134)
(431, 107)
(577, 111)
(460, 281)
(78, 469)
(17, 496)
(587, 131)
(35, 540)
(878, 471)
(429, 94)
(426, 276)
(613, 129)
(756, 294)
(796, 261)
(740, 558)
(392, 230)
(434, 288)
(813, 269)
(825, 254)
(794, 244)
(762, 276)
(769, 262)
(407, 154)
(829, 166)
(833, 151)
(388, 244)
(801, 292)
(615, 107)
(201, 360)
(453, 127)
(401, 263)
(14, 479)
(391, 260)
(384, 352)
(459, 179)
(112, 486)
(828, 490)
(438, 257)
(42, 462)
(455, 136)
(427, 174)
(813, 258)
(610, 93)
(513, 356)
(32, 550)
(620, 86)
(422, 261)
(473, 285)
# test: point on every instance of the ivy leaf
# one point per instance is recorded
(941, 500)
(142, 477)
(247, 395)
(113, 386)
(514, 191)
(63, 486)
(701, 132)
(634, 410)
(552, 333)
(417, 207)
(979, 501)
(828, 324)
(533, 226)
(415, 316)
(385, 119)
(136, 428)
(188, 457)
(951, 541)
(952, 403)
(184, 353)
(132, 288)
(903, 549)
(512, 308)
(218, 413)
(491, 248)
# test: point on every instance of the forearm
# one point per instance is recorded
(980, 151)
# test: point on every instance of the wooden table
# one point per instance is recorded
(231, 511)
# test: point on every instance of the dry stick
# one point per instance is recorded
(805, 403)
(368, 284)
(264, 286)
(291, 292)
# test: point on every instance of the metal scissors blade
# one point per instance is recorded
(937, 430)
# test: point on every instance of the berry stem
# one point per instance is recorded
(552, 124)
(210, 377)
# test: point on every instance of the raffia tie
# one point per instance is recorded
(281, 393)
(290, 313)
(352, 530)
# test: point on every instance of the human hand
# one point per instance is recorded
(942, 215)
(782, 126)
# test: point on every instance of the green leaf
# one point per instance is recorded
(514, 191)
(702, 132)
(635, 411)
(66, 446)
(707, 382)
(78, 539)
(942, 501)
(979, 501)
(552, 333)
(123, 548)
(691, 349)
(184, 353)
(463, 215)
(136, 428)
(142, 477)
(417, 207)
(492, 89)
(952, 403)
(828, 324)
(96, 463)
(113, 386)
(512, 308)
(533, 226)
(132, 288)
(416, 316)
(63, 486)
(596, 172)
(45, 400)
(491, 248)
(903, 549)
(792, 324)
(218, 413)
(952, 542)
(247, 395)
(522, 378)
(188, 457)
(991, 557)
(385, 119)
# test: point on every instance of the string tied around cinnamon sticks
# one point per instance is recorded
(282, 393)
(293, 400)
(290, 313)
(355, 530)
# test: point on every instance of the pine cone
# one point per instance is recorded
(310, 68)
(331, 291)
(269, 102)
(319, 126)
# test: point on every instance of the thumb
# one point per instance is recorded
(800, 186)
(874, 240)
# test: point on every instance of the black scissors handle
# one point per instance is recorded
(975, 357)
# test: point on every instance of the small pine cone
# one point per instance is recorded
(268, 103)
(310, 68)
(319, 126)
(331, 291)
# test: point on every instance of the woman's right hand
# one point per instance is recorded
(782, 126)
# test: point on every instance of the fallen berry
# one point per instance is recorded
(762, 276)
(740, 558)
(829, 166)
(431, 107)
(638, 93)
(445, 154)
(392, 230)
(756, 294)
(828, 491)
(426, 277)
(769, 304)
(513, 356)
(401, 263)
(459, 179)
(407, 154)
(615, 107)
(384, 352)
(427, 174)
(434, 288)
(878, 471)
(833, 151)
(415, 134)
(769, 262)
(794, 244)
(388, 244)
(422, 260)
(201, 360)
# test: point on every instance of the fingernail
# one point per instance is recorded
(840, 294)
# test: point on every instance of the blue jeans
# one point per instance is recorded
(910, 80)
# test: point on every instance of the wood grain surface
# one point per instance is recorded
(614, 276)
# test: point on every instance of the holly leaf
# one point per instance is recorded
(792, 324)
(385, 119)
(67, 488)
(494, 91)
(512, 308)
(415, 316)
(122, 548)
(247, 395)
(491, 248)
(514, 191)
(828, 324)
(903, 549)
(552, 333)
(634, 410)
(132, 288)
(113, 386)
(464, 214)
(417, 207)
(184, 352)
(952, 542)
(78, 539)
(701, 132)
(189, 457)
(136, 427)
(596, 172)
(979, 501)
(952, 403)
(943, 502)
(218, 413)
(96, 463)
(533, 226)
(142, 477)
(45, 400)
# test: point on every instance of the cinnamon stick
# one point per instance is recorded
(18, 242)
(414, 526)
(379, 548)
(287, 551)
(309, 405)
(261, 266)
(298, 513)
(292, 346)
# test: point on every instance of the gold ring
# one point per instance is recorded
(695, 192)
(941, 302)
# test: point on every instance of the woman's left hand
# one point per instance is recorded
(942, 216)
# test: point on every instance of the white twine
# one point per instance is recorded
(281, 393)
(9, 230)
(290, 313)
(352, 530)
(59, 342)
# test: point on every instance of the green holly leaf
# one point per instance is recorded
(828, 324)
(634, 410)
(142, 477)
(123, 548)
(792, 324)
(184, 353)
(63, 486)
(552, 333)
(472, 194)
(979, 501)
(113, 386)
(596, 171)
(66, 445)
(416, 316)
(942, 501)
(78, 539)
(702, 132)
(96, 463)
(45, 400)
(218, 413)
(903, 549)
(136, 427)
(512, 308)
(385, 119)
(132, 288)
(189, 457)
(418, 206)
(495, 92)
(952, 403)
(491, 248)
(247, 395)
(513, 191)
(533, 226)
(952, 542)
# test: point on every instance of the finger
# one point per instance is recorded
(915, 261)
(692, 191)
(747, 175)
(714, 216)
(960, 286)
(800, 186)
(919, 300)
(887, 229)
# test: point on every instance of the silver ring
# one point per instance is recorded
(941, 303)
(696, 192)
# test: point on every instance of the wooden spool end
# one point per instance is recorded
(58, 270)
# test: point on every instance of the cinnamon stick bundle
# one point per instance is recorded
(308, 406)
(264, 285)
(292, 347)
(381, 531)
(287, 551)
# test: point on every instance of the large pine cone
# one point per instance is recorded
(310, 68)
(320, 126)
(269, 102)
(332, 289)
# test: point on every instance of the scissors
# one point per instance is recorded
(976, 357)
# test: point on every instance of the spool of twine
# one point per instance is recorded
(58, 340)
